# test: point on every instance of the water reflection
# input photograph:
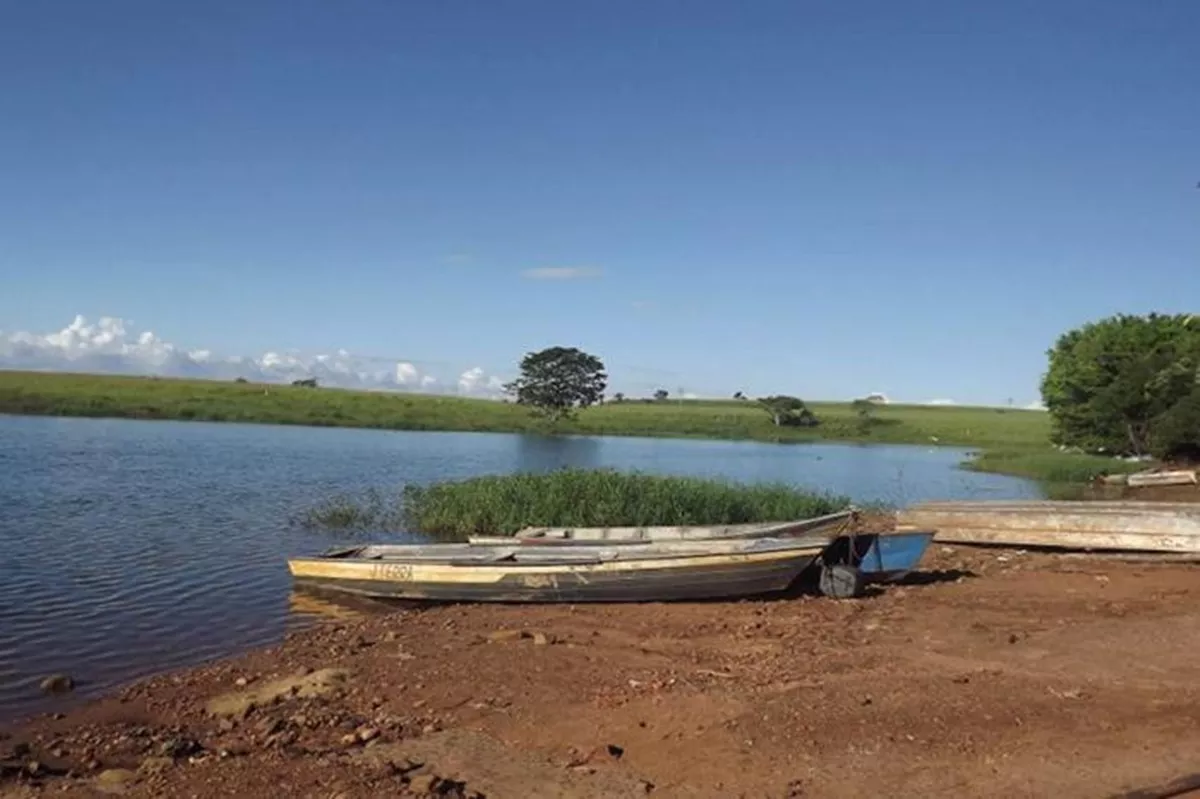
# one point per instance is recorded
(536, 453)
(310, 603)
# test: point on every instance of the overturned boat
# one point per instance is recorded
(1154, 479)
(1083, 524)
(645, 572)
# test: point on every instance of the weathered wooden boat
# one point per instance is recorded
(620, 535)
(1087, 525)
(1176, 477)
(629, 573)
(880, 557)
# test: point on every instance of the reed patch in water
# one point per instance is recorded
(503, 504)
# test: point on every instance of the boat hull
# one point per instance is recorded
(1118, 525)
(667, 578)
(1179, 477)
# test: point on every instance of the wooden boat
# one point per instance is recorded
(1108, 525)
(1177, 477)
(621, 535)
(629, 573)
(880, 557)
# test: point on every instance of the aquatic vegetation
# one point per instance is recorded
(585, 498)
(369, 510)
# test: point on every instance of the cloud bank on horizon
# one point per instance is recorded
(111, 347)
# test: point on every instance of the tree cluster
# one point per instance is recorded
(1127, 385)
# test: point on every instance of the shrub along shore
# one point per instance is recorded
(1011, 441)
(503, 504)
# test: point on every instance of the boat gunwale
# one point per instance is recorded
(567, 533)
(379, 570)
(600, 552)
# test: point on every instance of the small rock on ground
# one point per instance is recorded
(58, 684)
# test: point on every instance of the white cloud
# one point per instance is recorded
(406, 373)
(941, 402)
(560, 273)
(110, 346)
(475, 382)
(1036, 405)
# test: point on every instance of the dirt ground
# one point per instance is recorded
(990, 673)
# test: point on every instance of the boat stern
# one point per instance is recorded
(891, 556)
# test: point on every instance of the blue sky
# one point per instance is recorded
(822, 199)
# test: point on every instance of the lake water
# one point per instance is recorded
(131, 547)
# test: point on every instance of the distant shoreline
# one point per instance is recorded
(1010, 441)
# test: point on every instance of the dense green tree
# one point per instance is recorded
(788, 411)
(1123, 384)
(1177, 432)
(557, 380)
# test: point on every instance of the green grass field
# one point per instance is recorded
(1014, 441)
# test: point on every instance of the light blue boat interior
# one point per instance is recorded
(891, 556)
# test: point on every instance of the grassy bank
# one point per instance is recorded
(1050, 466)
(203, 400)
(501, 505)
(1014, 441)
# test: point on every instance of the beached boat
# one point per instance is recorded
(1109, 525)
(1176, 477)
(628, 573)
(617, 535)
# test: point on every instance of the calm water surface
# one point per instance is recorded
(131, 547)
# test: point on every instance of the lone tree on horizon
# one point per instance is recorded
(788, 411)
(557, 380)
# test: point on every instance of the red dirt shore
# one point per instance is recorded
(992, 673)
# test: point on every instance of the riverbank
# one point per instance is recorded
(1013, 441)
(1019, 671)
